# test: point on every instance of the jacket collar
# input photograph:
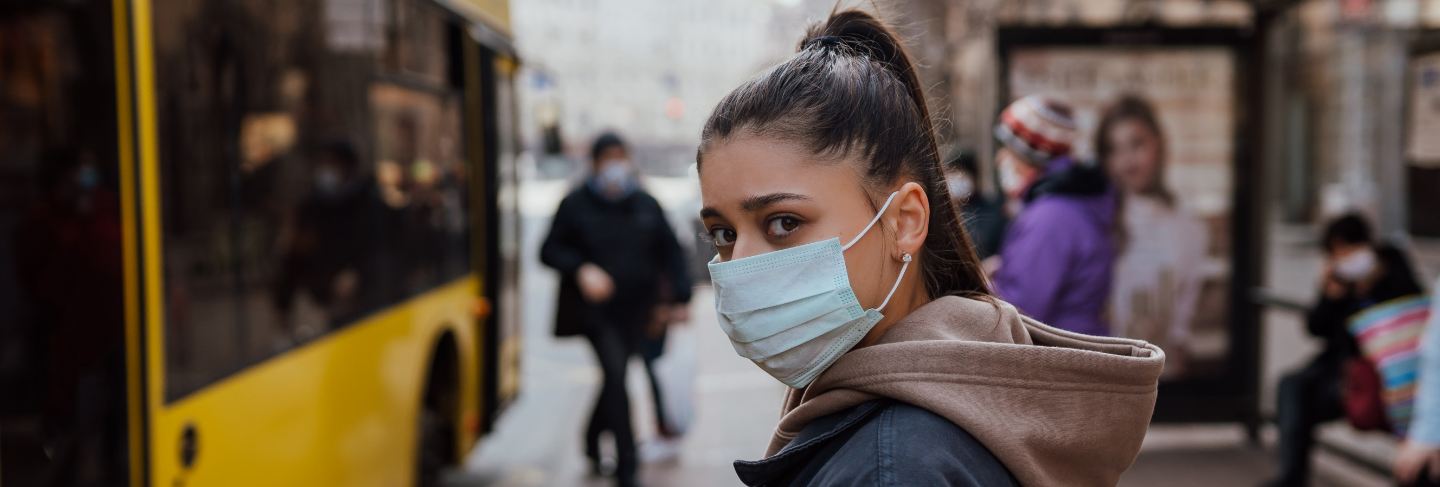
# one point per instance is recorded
(806, 445)
(1066, 176)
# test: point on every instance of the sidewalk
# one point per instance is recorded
(1210, 455)
(537, 442)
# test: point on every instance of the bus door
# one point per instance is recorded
(506, 212)
(68, 323)
(492, 143)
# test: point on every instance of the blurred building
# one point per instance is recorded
(650, 69)
(1334, 114)
(1337, 94)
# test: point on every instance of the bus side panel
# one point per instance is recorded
(280, 352)
(339, 411)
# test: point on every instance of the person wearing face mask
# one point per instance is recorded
(328, 246)
(613, 248)
(984, 217)
(67, 268)
(844, 272)
(1055, 264)
(1358, 274)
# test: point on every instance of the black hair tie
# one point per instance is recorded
(823, 42)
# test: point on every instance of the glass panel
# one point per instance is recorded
(1172, 277)
(62, 374)
(302, 191)
(417, 42)
(507, 321)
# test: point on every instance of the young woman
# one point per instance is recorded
(843, 271)
(1159, 270)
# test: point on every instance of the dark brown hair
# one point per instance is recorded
(1350, 228)
(1135, 108)
(851, 90)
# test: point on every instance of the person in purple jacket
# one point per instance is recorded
(1055, 264)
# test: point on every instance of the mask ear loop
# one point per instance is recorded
(905, 265)
(906, 259)
(873, 221)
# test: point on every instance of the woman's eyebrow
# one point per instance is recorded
(755, 203)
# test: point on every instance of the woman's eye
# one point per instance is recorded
(781, 226)
(723, 237)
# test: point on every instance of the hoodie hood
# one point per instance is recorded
(1057, 408)
(1066, 176)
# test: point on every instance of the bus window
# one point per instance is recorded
(62, 374)
(423, 175)
(311, 173)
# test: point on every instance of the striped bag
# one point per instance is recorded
(1389, 336)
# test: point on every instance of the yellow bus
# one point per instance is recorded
(254, 242)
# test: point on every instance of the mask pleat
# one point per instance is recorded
(756, 326)
(780, 288)
(778, 343)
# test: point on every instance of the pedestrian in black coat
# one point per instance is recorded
(613, 247)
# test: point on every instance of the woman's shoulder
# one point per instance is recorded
(897, 444)
(928, 449)
(924, 429)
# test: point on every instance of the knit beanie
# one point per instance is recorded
(1037, 128)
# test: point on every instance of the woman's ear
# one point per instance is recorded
(911, 218)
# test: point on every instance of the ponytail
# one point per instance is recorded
(851, 90)
(866, 35)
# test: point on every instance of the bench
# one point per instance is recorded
(1371, 451)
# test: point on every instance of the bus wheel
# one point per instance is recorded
(434, 447)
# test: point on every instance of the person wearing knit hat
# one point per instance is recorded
(1033, 131)
(1055, 263)
(1037, 128)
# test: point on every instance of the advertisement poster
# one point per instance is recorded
(1424, 146)
(1161, 122)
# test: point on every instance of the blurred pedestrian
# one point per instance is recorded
(1055, 265)
(610, 241)
(666, 313)
(984, 217)
(1158, 273)
(1358, 273)
(843, 271)
(1418, 462)
(323, 246)
(68, 270)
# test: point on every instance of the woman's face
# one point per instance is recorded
(1134, 159)
(761, 195)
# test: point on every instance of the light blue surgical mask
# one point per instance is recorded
(615, 180)
(792, 311)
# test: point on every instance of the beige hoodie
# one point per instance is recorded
(1057, 408)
